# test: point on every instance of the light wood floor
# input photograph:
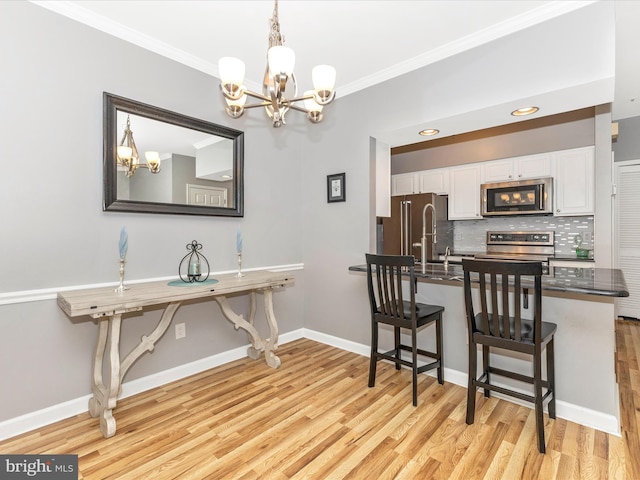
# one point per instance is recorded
(315, 418)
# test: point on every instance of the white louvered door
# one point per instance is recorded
(628, 235)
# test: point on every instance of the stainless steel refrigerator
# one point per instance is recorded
(402, 232)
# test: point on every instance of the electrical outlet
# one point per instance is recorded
(181, 330)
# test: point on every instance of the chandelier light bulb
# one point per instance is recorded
(125, 153)
(324, 80)
(153, 161)
(231, 73)
(281, 60)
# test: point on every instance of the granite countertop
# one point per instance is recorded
(592, 281)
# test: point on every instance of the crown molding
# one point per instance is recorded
(545, 12)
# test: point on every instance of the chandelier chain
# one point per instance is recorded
(276, 39)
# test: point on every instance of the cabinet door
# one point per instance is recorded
(497, 171)
(434, 181)
(404, 184)
(464, 192)
(574, 182)
(533, 166)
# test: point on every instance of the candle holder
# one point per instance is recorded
(192, 263)
(121, 288)
(239, 274)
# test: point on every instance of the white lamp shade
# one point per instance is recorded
(310, 104)
(152, 157)
(231, 71)
(324, 78)
(125, 152)
(282, 60)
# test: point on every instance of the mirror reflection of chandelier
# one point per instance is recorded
(128, 157)
(278, 74)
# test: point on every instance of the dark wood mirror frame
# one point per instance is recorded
(111, 105)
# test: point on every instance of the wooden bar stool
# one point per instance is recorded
(495, 324)
(389, 307)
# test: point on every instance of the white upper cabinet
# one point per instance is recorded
(497, 171)
(426, 181)
(404, 184)
(464, 192)
(435, 181)
(518, 168)
(574, 182)
(534, 166)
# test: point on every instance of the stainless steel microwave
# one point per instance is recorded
(534, 196)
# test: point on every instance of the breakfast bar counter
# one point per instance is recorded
(581, 301)
(590, 281)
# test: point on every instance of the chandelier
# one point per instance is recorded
(128, 157)
(277, 77)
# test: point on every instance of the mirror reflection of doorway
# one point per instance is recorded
(206, 196)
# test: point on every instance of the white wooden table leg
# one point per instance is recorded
(251, 351)
(147, 343)
(271, 345)
(239, 322)
(97, 387)
(107, 422)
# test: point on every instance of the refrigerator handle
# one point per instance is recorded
(402, 213)
(408, 233)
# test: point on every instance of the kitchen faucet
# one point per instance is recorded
(423, 242)
(447, 252)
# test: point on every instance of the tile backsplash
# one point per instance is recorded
(471, 235)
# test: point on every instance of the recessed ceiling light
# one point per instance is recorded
(226, 177)
(428, 132)
(524, 111)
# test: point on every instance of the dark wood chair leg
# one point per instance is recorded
(396, 339)
(471, 387)
(373, 360)
(414, 367)
(439, 349)
(537, 386)
(485, 368)
(551, 378)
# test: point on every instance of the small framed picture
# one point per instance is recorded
(335, 188)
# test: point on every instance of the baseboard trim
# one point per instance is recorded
(24, 423)
(46, 416)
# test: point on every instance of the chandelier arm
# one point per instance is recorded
(257, 95)
(254, 105)
(299, 109)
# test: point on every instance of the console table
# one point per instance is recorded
(108, 306)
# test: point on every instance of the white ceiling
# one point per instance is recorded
(367, 41)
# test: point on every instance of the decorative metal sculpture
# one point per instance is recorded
(194, 261)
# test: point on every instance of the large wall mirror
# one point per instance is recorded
(157, 161)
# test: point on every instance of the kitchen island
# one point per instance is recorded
(581, 301)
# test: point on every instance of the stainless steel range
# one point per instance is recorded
(522, 246)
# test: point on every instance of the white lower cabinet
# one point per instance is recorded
(574, 182)
(464, 192)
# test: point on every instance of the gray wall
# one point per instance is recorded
(55, 234)
(627, 147)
